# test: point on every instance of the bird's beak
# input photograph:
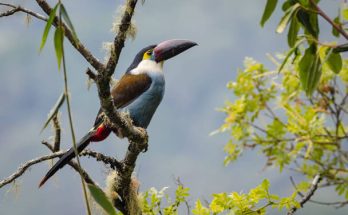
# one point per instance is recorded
(171, 48)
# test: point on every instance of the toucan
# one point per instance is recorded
(138, 92)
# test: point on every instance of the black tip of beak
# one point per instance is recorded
(171, 48)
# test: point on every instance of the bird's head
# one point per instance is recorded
(161, 52)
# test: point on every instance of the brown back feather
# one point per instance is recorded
(127, 89)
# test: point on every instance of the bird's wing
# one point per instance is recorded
(127, 89)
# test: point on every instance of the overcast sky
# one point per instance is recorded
(180, 146)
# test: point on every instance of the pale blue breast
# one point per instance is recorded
(143, 108)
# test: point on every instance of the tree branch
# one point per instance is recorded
(57, 130)
(74, 42)
(327, 18)
(28, 164)
(308, 195)
(120, 122)
(91, 74)
(74, 165)
(103, 82)
(19, 8)
(121, 37)
(114, 164)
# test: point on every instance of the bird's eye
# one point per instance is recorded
(147, 54)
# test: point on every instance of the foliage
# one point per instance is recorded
(305, 133)
(254, 202)
(152, 201)
(59, 32)
(54, 111)
(303, 15)
(295, 114)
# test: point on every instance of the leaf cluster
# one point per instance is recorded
(302, 18)
(291, 130)
(256, 201)
(59, 31)
(152, 201)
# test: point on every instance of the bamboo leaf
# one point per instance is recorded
(293, 31)
(58, 44)
(66, 18)
(310, 70)
(100, 197)
(269, 9)
(48, 26)
(286, 18)
(54, 111)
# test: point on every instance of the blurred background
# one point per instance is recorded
(180, 145)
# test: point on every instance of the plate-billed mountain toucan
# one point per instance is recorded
(139, 92)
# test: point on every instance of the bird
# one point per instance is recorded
(138, 92)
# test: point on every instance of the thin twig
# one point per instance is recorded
(308, 195)
(20, 9)
(74, 42)
(329, 20)
(74, 165)
(57, 130)
(91, 74)
(26, 165)
(114, 164)
(120, 37)
(49, 146)
(336, 204)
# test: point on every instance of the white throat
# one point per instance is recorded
(148, 66)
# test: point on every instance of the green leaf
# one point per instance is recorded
(290, 52)
(265, 184)
(54, 111)
(200, 209)
(286, 18)
(309, 21)
(286, 5)
(334, 61)
(58, 44)
(310, 70)
(304, 2)
(66, 18)
(100, 197)
(269, 8)
(345, 13)
(293, 31)
(48, 25)
(334, 31)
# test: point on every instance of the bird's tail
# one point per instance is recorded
(68, 156)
